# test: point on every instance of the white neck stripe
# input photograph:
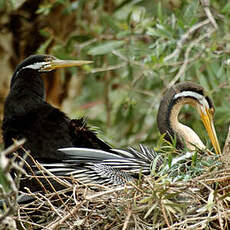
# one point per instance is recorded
(35, 66)
(200, 98)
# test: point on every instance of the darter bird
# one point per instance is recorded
(120, 166)
(45, 128)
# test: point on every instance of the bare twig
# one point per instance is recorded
(182, 69)
(79, 204)
(13, 147)
(226, 150)
(107, 192)
(108, 68)
(165, 216)
(184, 38)
(9, 192)
(206, 5)
(125, 226)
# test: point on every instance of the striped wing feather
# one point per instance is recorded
(106, 168)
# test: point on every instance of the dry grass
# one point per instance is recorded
(201, 202)
(193, 193)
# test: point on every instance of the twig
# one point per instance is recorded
(127, 220)
(165, 216)
(108, 68)
(72, 213)
(33, 224)
(184, 38)
(51, 205)
(206, 4)
(187, 52)
(195, 220)
(6, 165)
(226, 150)
(106, 192)
(79, 204)
(220, 217)
(13, 147)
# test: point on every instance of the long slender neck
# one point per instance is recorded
(29, 82)
(183, 133)
(26, 93)
(167, 118)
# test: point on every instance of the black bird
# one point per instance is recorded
(45, 128)
(103, 167)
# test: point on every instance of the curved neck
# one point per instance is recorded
(168, 123)
(184, 134)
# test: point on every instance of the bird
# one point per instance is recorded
(45, 128)
(122, 166)
(169, 109)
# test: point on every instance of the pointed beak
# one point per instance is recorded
(207, 119)
(57, 63)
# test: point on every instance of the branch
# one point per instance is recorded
(184, 38)
(206, 4)
(226, 150)
(186, 61)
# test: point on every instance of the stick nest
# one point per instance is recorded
(165, 201)
(191, 194)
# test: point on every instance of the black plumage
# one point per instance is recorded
(45, 128)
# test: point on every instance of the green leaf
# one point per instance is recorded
(4, 182)
(226, 8)
(44, 9)
(42, 49)
(105, 47)
(2, 3)
(17, 3)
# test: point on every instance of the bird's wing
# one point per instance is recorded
(74, 154)
(101, 167)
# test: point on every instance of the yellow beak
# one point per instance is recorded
(207, 120)
(57, 63)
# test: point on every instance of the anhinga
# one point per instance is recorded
(103, 167)
(45, 128)
(170, 106)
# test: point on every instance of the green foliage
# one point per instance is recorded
(105, 48)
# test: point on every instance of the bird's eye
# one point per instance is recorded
(50, 58)
(212, 111)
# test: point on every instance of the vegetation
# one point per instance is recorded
(139, 48)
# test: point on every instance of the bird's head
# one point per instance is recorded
(43, 63)
(195, 95)
(46, 63)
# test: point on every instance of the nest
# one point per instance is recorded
(199, 203)
(166, 201)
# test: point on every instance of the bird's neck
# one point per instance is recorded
(28, 84)
(184, 133)
(26, 94)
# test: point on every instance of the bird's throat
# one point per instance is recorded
(26, 94)
(29, 85)
(184, 133)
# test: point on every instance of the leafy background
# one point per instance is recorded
(134, 45)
